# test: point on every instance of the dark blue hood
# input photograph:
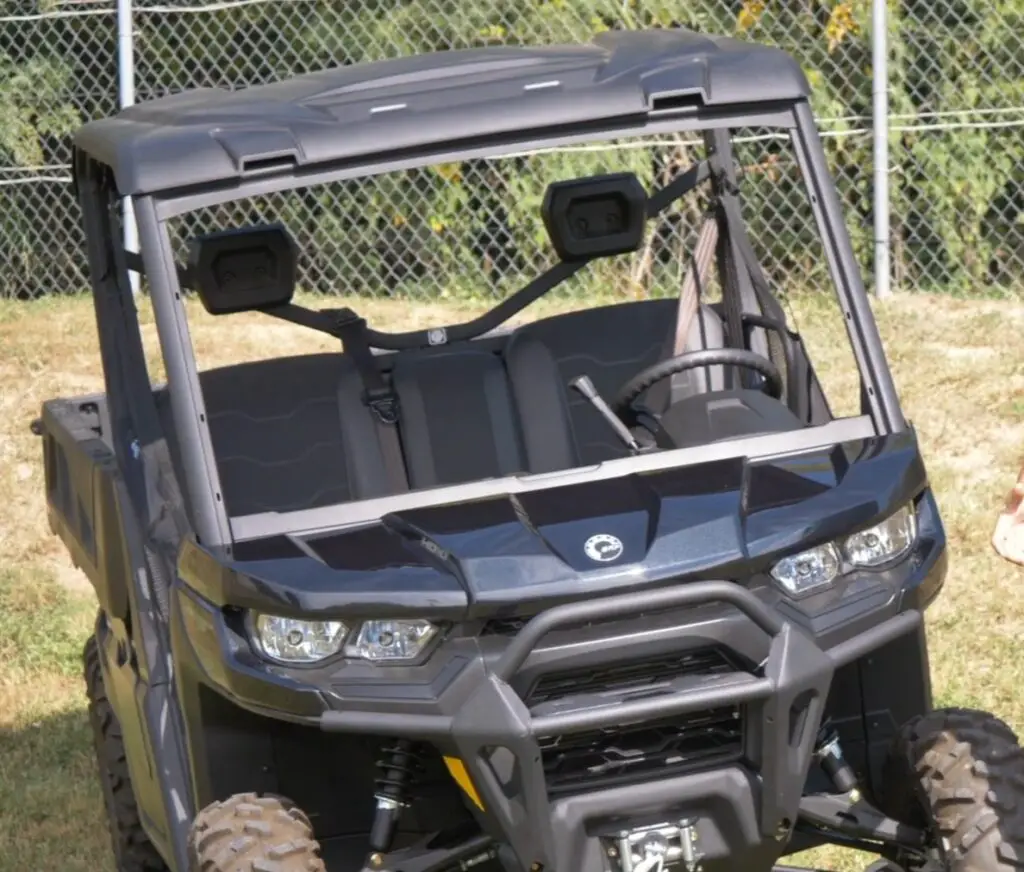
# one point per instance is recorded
(722, 519)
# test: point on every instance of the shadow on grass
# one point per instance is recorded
(51, 808)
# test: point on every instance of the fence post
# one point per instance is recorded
(126, 97)
(880, 125)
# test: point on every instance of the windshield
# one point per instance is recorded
(451, 243)
(444, 254)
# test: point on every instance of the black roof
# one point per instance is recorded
(208, 135)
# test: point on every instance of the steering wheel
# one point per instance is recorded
(622, 404)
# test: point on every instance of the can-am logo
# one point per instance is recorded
(603, 547)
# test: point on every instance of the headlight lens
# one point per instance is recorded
(883, 542)
(809, 570)
(291, 641)
(819, 567)
(391, 640)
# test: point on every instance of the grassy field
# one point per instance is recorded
(960, 369)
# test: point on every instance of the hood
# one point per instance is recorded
(722, 519)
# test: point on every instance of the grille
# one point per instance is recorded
(512, 625)
(631, 674)
(660, 749)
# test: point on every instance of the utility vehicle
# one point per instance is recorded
(609, 589)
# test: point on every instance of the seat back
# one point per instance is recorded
(294, 433)
(458, 421)
(610, 344)
(288, 433)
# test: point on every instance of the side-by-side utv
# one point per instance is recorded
(608, 590)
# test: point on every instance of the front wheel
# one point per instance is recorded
(252, 833)
(959, 774)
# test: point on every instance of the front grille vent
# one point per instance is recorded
(632, 674)
(605, 758)
(654, 749)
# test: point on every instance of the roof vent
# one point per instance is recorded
(257, 151)
(687, 101)
(255, 166)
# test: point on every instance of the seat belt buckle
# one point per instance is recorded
(344, 318)
(383, 404)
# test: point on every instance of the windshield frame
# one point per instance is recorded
(881, 413)
(170, 204)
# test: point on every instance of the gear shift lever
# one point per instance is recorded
(583, 385)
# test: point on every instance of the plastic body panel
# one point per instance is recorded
(330, 116)
(721, 519)
(84, 497)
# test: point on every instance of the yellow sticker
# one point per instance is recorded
(458, 770)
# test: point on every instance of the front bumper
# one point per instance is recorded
(744, 810)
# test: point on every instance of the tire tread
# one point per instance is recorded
(967, 768)
(252, 833)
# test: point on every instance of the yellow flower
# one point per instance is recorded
(449, 172)
(750, 14)
(841, 24)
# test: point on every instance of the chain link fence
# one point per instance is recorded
(956, 130)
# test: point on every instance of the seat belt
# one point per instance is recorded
(688, 309)
(350, 328)
(796, 376)
(737, 233)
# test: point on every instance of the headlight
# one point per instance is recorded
(809, 570)
(883, 542)
(287, 640)
(817, 568)
(391, 640)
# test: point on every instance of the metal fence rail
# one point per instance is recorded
(940, 194)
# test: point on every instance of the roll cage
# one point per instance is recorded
(750, 309)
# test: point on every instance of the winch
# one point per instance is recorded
(652, 849)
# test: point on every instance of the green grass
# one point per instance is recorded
(958, 366)
(40, 626)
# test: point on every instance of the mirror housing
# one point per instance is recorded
(244, 269)
(597, 216)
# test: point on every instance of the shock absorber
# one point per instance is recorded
(830, 755)
(399, 766)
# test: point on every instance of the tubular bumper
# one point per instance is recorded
(783, 707)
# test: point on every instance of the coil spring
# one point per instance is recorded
(399, 767)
